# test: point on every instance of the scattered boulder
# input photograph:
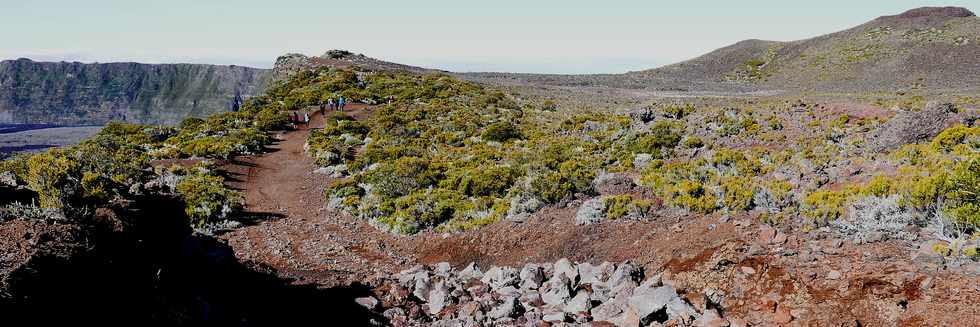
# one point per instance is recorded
(912, 126)
(613, 184)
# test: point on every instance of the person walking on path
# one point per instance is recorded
(306, 119)
(321, 108)
(330, 104)
(341, 102)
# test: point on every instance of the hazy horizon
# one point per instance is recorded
(569, 37)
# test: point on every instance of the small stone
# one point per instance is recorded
(834, 275)
(368, 302)
(748, 270)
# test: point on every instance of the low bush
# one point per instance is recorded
(501, 132)
(824, 206)
(207, 199)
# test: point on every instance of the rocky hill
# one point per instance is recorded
(934, 47)
(289, 64)
(77, 93)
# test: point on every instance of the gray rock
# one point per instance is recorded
(612, 184)
(531, 276)
(646, 300)
(579, 303)
(394, 314)
(498, 277)
(591, 212)
(472, 271)
(423, 284)
(567, 268)
(438, 298)
(508, 291)
(478, 290)
(506, 309)
(610, 312)
(443, 269)
(558, 316)
(368, 302)
(595, 275)
(8, 179)
(531, 299)
(556, 290)
(912, 126)
(626, 272)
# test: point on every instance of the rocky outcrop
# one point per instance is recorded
(912, 126)
(72, 93)
(290, 64)
(559, 292)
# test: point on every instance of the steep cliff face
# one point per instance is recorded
(77, 93)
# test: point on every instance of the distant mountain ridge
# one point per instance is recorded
(70, 93)
(929, 47)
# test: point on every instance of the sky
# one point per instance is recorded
(539, 36)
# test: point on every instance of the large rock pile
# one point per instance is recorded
(534, 295)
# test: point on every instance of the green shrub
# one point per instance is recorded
(953, 136)
(551, 187)
(483, 181)
(661, 136)
(693, 142)
(401, 177)
(620, 206)
(679, 111)
(737, 193)
(825, 205)
(501, 132)
(693, 196)
(207, 199)
(962, 192)
(53, 175)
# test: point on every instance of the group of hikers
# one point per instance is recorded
(304, 119)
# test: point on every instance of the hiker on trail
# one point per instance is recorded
(321, 108)
(292, 117)
(341, 102)
(391, 98)
(306, 119)
(330, 104)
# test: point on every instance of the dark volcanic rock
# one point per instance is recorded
(912, 126)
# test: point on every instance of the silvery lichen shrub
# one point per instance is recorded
(872, 218)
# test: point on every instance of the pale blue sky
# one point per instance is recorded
(554, 36)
